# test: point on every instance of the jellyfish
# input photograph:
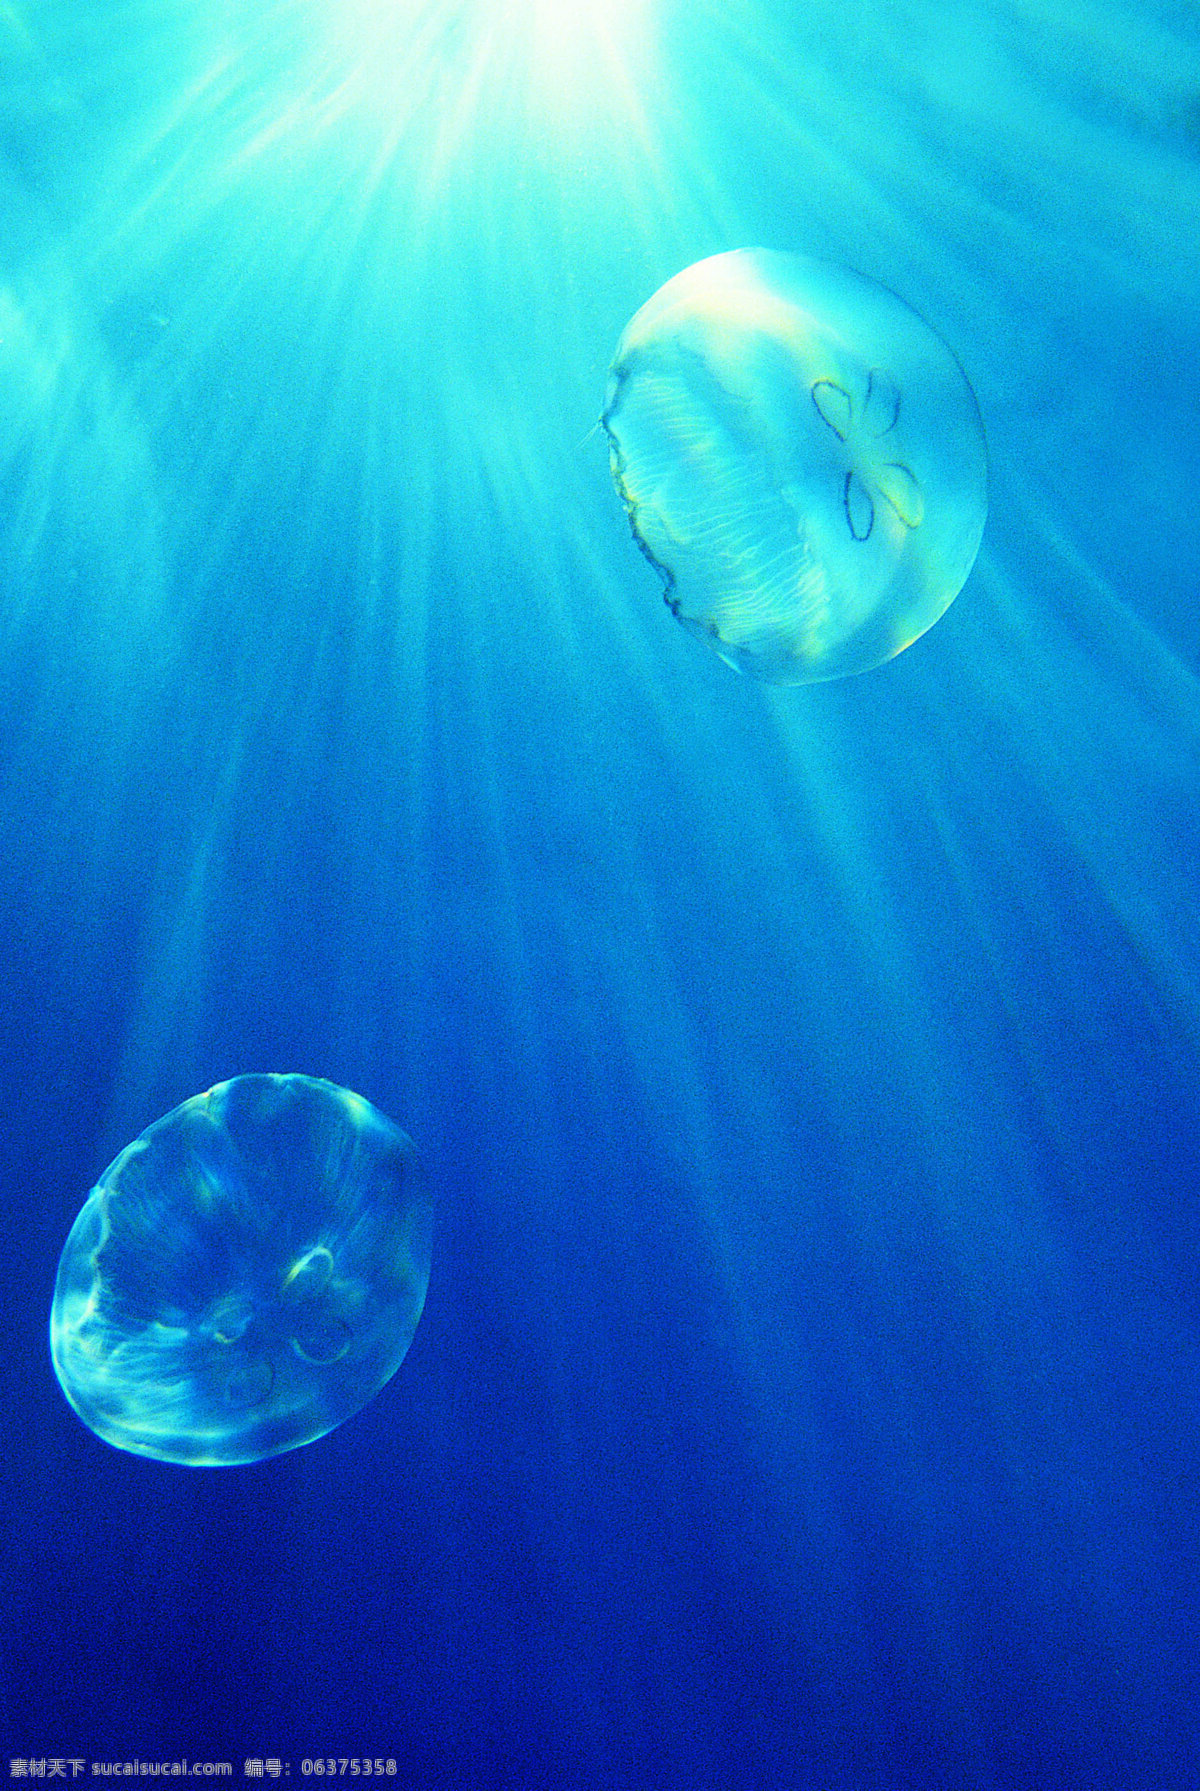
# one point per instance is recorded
(245, 1275)
(801, 459)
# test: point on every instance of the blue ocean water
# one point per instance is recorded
(806, 1079)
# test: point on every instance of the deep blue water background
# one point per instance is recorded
(807, 1080)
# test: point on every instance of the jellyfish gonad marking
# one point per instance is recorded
(893, 481)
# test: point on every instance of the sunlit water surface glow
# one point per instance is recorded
(807, 1077)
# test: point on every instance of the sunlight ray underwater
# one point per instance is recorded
(350, 735)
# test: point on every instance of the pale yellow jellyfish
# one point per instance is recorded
(801, 459)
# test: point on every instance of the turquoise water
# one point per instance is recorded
(805, 1078)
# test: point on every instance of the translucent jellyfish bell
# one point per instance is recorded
(801, 459)
(245, 1275)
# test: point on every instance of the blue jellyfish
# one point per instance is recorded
(245, 1276)
(801, 459)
